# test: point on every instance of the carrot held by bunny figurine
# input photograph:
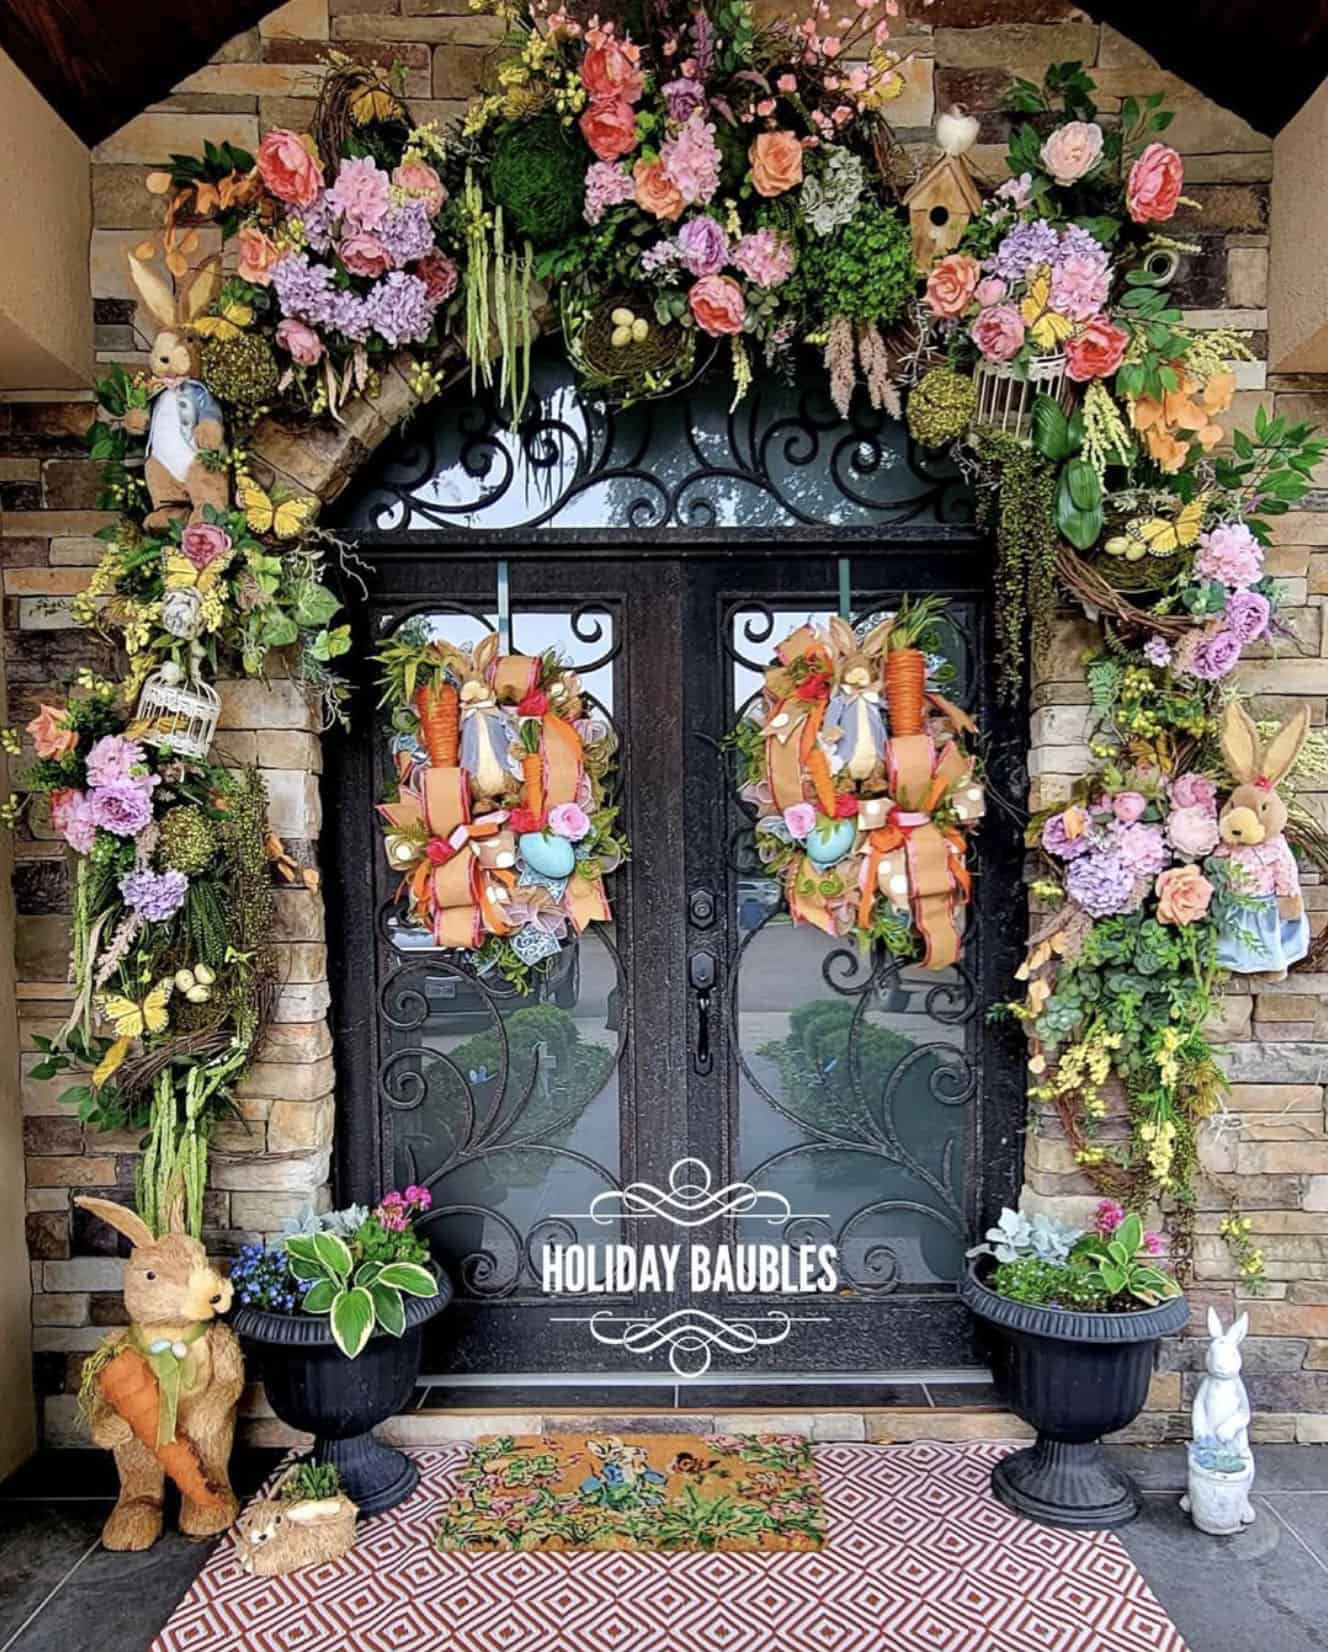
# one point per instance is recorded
(161, 1394)
(185, 420)
(1268, 929)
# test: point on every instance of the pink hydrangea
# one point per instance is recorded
(607, 185)
(691, 159)
(1079, 287)
(72, 817)
(765, 258)
(1229, 553)
(113, 758)
(361, 193)
(1143, 849)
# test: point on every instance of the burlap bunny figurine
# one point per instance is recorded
(854, 729)
(1267, 930)
(185, 419)
(165, 1388)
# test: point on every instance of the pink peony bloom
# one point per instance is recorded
(1194, 791)
(998, 332)
(765, 258)
(1128, 807)
(800, 818)
(204, 543)
(124, 807)
(289, 168)
(609, 128)
(1142, 848)
(683, 98)
(1072, 151)
(717, 305)
(303, 343)
(418, 180)
(1097, 352)
(569, 820)
(113, 759)
(610, 70)
(364, 254)
(1192, 831)
(360, 194)
(1153, 190)
(1247, 615)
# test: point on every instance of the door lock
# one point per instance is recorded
(701, 972)
(702, 908)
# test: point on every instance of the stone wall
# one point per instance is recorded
(1272, 1149)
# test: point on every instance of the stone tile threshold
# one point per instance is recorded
(55, 1579)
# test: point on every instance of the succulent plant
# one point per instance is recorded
(1017, 1236)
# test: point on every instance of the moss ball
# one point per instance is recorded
(187, 840)
(241, 370)
(864, 271)
(538, 178)
(941, 406)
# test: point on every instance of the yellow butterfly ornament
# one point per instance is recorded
(1158, 536)
(284, 518)
(130, 1021)
(1046, 327)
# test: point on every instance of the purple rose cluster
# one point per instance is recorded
(1227, 565)
(704, 247)
(1115, 847)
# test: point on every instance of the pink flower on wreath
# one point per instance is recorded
(951, 285)
(439, 275)
(289, 168)
(683, 97)
(1128, 807)
(203, 543)
(71, 815)
(1072, 151)
(302, 343)
(360, 195)
(999, 332)
(717, 305)
(990, 290)
(1097, 352)
(1194, 791)
(1229, 553)
(257, 256)
(800, 818)
(569, 820)
(123, 807)
(419, 181)
(1192, 831)
(1079, 287)
(765, 258)
(1152, 192)
(113, 759)
(691, 159)
(609, 128)
(364, 254)
(611, 70)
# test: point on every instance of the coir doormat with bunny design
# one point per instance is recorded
(918, 1556)
(636, 1491)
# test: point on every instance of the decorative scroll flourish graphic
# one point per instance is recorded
(690, 1334)
(690, 1203)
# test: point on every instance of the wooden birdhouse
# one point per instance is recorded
(944, 199)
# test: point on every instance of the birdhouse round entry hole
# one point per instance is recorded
(940, 216)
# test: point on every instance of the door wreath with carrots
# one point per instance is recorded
(863, 789)
(501, 822)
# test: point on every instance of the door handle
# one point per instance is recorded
(701, 974)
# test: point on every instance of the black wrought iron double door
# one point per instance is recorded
(872, 1106)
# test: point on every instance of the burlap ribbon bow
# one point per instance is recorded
(460, 874)
(793, 725)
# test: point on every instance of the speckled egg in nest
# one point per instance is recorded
(241, 370)
(615, 347)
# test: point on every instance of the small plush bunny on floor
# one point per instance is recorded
(281, 1534)
(1221, 1413)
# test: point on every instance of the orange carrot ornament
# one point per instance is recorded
(905, 672)
(439, 711)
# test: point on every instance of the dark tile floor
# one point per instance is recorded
(1266, 1589)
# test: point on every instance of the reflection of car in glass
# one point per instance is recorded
(453, 994)
(757, 898)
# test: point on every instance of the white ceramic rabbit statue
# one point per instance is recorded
(1221, 1466)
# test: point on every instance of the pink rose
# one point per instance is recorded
(1154, 185)
(50, 735)
(990, 290)
(1192, 831)
(717, 305)
(1072, 151)
(1128, 807)
(302, 342)
(289, 168)
(203, 543)
(257, 256)
(951, 285)
(419, 180)
(1097, 352)
(800, 818)
(569, 820)
(439, 275)
(1194, 791)
(364, 254)
(999, 332)
(610, 71)
(609, 128)
(1183, 895)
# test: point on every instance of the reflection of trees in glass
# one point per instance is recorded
(832, 1071)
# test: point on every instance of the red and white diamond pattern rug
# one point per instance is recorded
(919, 1558)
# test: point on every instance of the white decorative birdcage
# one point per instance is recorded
(177, 714)
(1005, 400)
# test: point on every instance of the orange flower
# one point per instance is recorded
(1183, 895)
(257, 256)
(776, 161)
(656, 192)
(50, 736)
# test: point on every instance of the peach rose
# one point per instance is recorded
(609, 71)
(609, 128)
(718, 305)
(1154, 184)
(419, 180)
(364, 254)
(258, 256)
(1097, 352)
(776, 161)
(1072, 151)
(951, 285)
(289, 168)
(656, 192)
(1183, 894)
(50, 737)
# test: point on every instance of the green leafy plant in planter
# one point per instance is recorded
(1120, 1265)
(359, 1283)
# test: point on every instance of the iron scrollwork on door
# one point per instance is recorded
(784, 457)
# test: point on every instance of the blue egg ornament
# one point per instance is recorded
(831, 840)
(552, 857)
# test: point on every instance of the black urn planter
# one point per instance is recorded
(313, 1386)
(1073, 1377)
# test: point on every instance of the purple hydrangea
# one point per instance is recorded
(406, 232)
(1024, 248)
(318, 218)
(155, 896)
(1056, 841)
(683, 98)
(661, 256)
(1143, 849)
(1157, 651)
(1102, 884)
(124, 807)
(607, 185)
(703, 246)
(1077, 242)
(1247, 616)
(302, 288)
(400, 309)
(114, 758)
